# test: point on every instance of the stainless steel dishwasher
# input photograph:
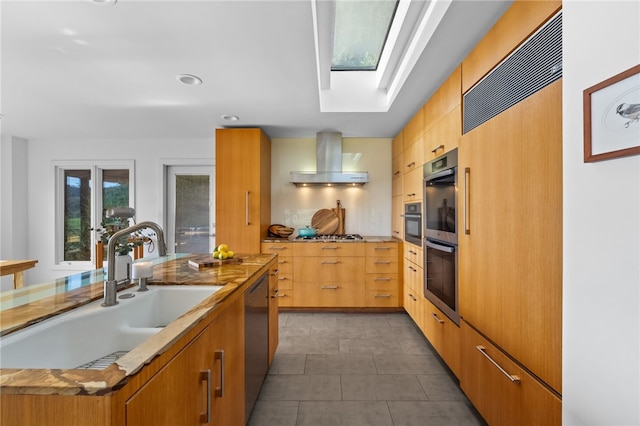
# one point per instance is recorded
(256, 340)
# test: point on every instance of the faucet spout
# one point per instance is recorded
(110, 285)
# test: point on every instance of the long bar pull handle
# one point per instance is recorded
(329, 287)
(276, 248)
(246, 206)
(282, 278)
(329, 262)
(437, 148)
(513, 378)
(382, 248)
(413, 269)
(329, 248)
(382, 279)
(382, 262)
(435, 317)
(382, 295)
(467, 200)
(411, 164)
(219, 355)
(206, 375)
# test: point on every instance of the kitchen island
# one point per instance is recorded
(162, 372)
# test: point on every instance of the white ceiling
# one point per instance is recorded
(77, 69)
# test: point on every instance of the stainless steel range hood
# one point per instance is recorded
(328, 165)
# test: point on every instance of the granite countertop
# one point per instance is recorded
(17, 313)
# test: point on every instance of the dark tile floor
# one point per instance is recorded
(358, 369)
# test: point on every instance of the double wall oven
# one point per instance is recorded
(440, 242)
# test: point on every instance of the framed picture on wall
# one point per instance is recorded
(612, 117)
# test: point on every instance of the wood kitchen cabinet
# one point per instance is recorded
(413, 276)
(443, 117)
(381, 279)
(273, 312)
(243, 188)
(502, 391)
(211, 366)
(284, 250)
(329, 274)
(443, 334)
(510, 243)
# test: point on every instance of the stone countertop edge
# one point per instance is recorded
(112, 378)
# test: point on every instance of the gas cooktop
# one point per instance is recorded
(331, 237)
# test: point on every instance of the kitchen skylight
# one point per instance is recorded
(360, 31)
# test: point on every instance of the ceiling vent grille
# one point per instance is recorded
(535, 64)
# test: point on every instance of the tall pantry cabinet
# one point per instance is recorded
(243, 188)
(510, 279)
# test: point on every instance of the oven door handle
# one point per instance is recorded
(440, 175)
(440, 247)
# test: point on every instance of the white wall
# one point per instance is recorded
(367, 208)
(149, 156)
(13, 203)
(601, 302)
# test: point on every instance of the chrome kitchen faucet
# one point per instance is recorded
(110, 284)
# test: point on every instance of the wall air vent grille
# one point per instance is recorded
(535, 64)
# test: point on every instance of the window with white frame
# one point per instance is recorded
(84, 191)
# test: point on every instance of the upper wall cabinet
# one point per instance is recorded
(243, 188)
(442, 117)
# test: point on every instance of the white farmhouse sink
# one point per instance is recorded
(91, 332)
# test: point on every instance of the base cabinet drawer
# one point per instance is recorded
(443, 334)
(381, 299)
(502, 391)
(329, 294)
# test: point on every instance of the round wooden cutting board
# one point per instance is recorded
(325, 221)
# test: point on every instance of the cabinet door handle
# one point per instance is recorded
(413, 298)
(411, 164)
(206, 376)
(413, 194)
(275, 293)
(513, 378)
(277, 248)
(437, 148)
(329, 262)
(275, 272)
(329, 287)
(329, 248)
(383, 295)
(282, 278)
(413, 252)
(246, 206)
(467, 201)
(281, 262)
(435, 317)
(382, 262)
(382, 248)
(413, 269)
(382, 279)
(219, 355)
(396, 173)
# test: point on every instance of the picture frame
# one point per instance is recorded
(612, 117)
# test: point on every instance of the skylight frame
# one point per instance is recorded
(377, 56)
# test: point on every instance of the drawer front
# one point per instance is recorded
(381, 299)
(381, 282)
(413, 253)
(315, 249)
(329, 269)
(387, 265)
(285, 281)
(285, 264)
(508, 397)
(414, 278)
(281, 249)
(382, 250)
(324, 294)
(285, 298)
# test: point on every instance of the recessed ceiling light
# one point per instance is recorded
(189, 79)
(229, 117)
(110, 2)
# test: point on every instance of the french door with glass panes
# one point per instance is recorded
(190, 209)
